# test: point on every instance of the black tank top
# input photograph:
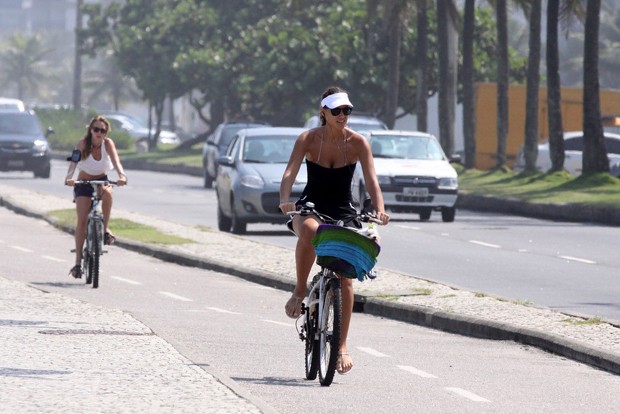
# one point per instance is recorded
(330, 190)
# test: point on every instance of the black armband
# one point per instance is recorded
(76, 156)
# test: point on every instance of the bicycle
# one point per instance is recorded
(93, 246)
(338, 254)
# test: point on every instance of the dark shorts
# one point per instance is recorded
(85, 190)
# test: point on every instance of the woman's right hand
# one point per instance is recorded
(70, 182)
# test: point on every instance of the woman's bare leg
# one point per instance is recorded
(348, 298)
(82, 207)
(106, 207)
(305, 228)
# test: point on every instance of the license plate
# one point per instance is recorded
(15, 163)
(415, 191)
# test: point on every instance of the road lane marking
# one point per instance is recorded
(122, 279)
(416, 371)
(577, 259)
(372, 352)
(220, 310)
(276, 322)
(479, 243)
(467, 394)
(22, 249)
(402, 226)
(53, 259)
(173, 296)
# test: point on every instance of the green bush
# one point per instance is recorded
(70, 126)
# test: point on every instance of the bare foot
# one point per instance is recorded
(344, 364)
(293, 306)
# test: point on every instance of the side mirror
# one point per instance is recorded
(456, 158)
(226, 160)
(49, 131)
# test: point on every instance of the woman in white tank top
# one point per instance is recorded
(94, 157)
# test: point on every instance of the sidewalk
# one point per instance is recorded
(393, 295)
(61, 355)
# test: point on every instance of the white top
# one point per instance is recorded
(93, 167)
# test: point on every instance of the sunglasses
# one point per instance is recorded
(336, 111)
(99, 130)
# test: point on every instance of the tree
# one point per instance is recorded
(396, 12)
(447, 22)
(24, 65)
(469, 109)
(502, 81)
(594, 151)
(77, 69)
(533, 82)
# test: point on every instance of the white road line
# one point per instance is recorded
(220, 310)
(494, 246)
(22, 249)
(372, 352)
(467, 394)
(577, 259)
(54, 259)
(122, 279)
(416, 371)
(402, 226)
(276, 322)
(173, 296)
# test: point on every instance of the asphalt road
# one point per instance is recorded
(239, 330)
(571, 267)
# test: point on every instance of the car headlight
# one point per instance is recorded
(252, 181)
(448, 183)
(40, 145)
(383, 179)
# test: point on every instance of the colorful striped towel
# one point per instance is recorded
(345, 251)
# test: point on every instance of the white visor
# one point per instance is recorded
(335, 100)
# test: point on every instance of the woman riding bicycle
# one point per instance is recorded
(95, 155)
(331, 152)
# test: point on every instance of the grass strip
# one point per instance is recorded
(125, 228)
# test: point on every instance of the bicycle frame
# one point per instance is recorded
(94, 242)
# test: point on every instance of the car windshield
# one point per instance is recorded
(406, 147)
(269, 149)
(19, 123)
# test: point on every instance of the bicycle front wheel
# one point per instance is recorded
(329, 332)
(97, 237)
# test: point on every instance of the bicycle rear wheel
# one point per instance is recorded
(329, 332)
(312, 344)
(87, 266)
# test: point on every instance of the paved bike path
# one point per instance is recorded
(393, 294)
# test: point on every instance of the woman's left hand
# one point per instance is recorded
(122, 180)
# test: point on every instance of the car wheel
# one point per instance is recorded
(238, 226)
(208, 179)
(43, 172)
(447, 214)
(425, 214)
(223, 222)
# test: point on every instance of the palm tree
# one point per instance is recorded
(447, 22)
(23, 64)
(594, 151)
(396, 13)
(469, 109)
(533, 81)
(502, 81)
(421, 67)
(554, 94)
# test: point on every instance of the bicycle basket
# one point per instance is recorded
(345, 251)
